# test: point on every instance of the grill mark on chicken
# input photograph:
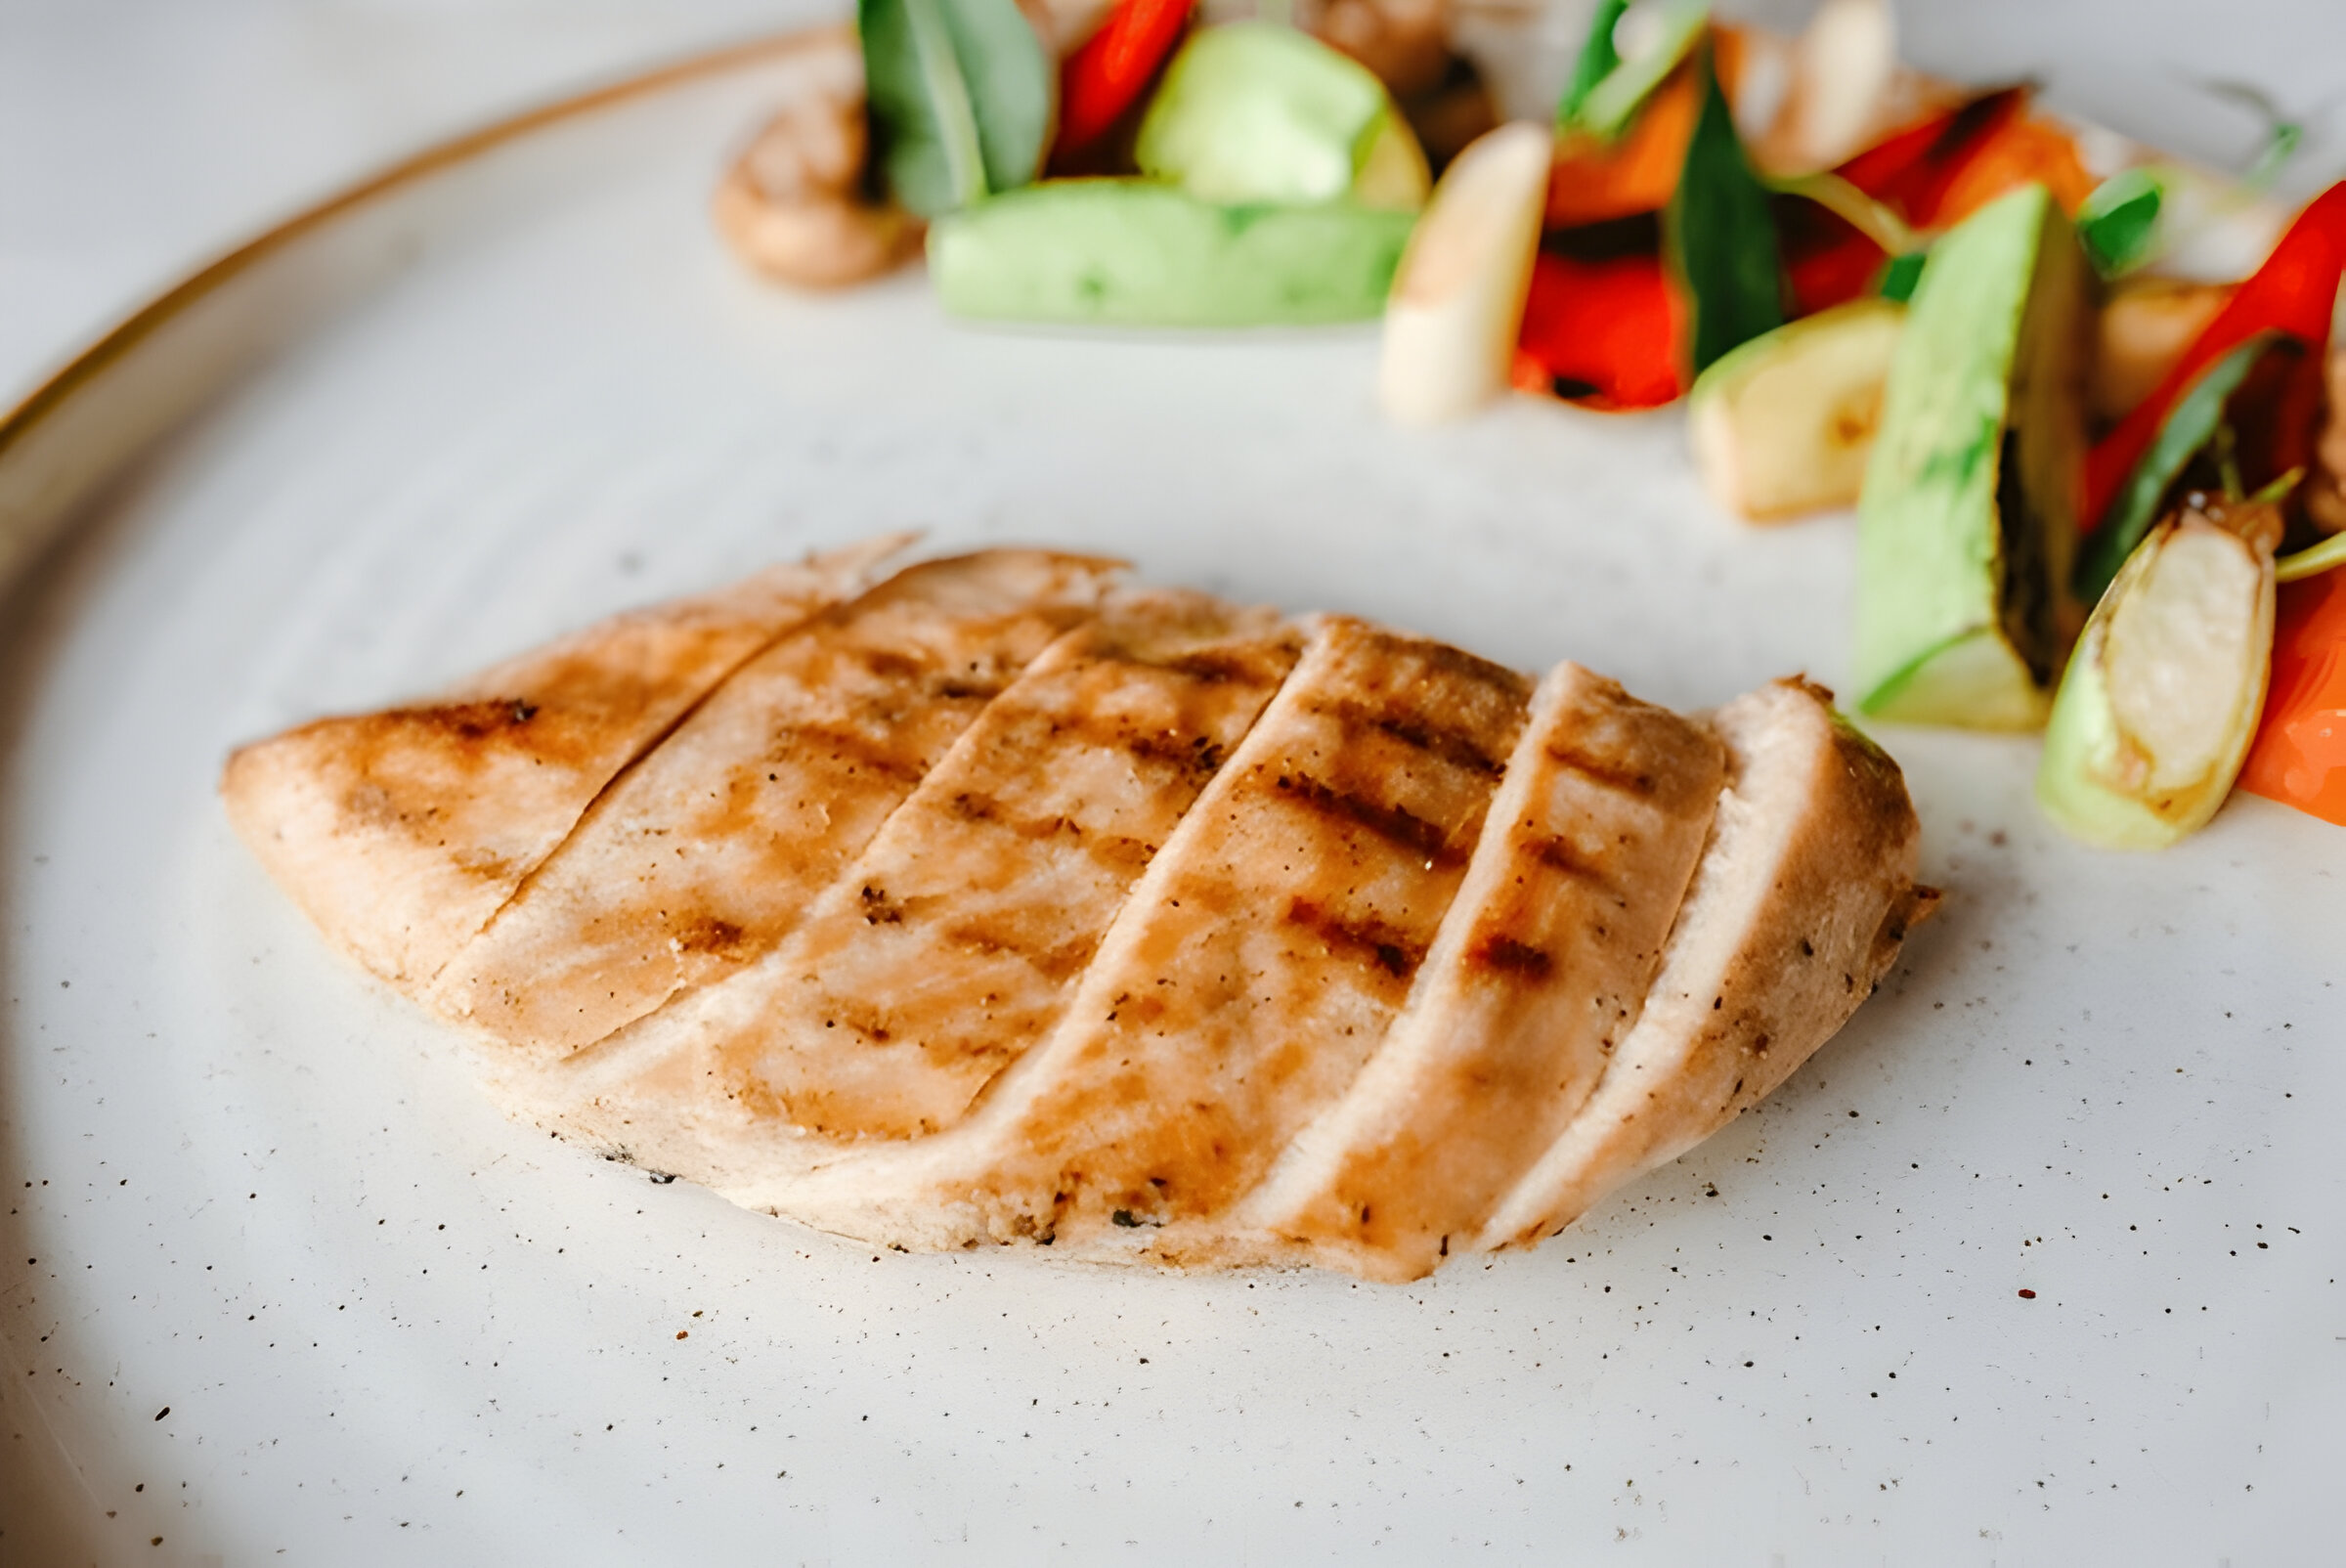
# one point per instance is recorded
(1205, 1033)
(759, 800)
(1392, 823)
(1118, 850)
(1629, 779)
(1559, 853)
(1392, 950)
(882, 754)
(402, 833)
(1451, 745)
(886, 1014)
(1502, 954)
(1541, 965)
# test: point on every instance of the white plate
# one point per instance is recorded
(518, 384)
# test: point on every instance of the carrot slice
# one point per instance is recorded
(2300, 754)
(1594, 181)
(2024, 150)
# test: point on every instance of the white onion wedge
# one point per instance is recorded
(1458, 299)
(2162, 696)
(1841, 73)
(1784, 426)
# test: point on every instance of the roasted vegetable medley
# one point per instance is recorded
(2085, 398)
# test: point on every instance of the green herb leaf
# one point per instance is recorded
(1597, 60)
(1612, 98)
(2329, 555)
(962, 97)
(1719, 233)
(1900, 273)
(2118, 222)
(2191, 425)
(2274, 494)
(2282, 135)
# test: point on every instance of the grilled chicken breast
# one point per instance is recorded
(954, 940)
(402, 832)
(1255, 967)
(994, 905)
(698, 859)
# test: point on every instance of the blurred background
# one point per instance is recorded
(137, 138)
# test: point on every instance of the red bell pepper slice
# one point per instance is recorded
(1601, 332)
(1827, 262)
(1912, 172)
(2300, 754)
(2295, 292)
(1113, 68)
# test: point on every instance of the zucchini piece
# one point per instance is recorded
(1967, 513)
(1138, 253)
(1253, 111)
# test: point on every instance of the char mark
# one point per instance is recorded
(1214, 667)
(1604, 772)
(861, 751)
(1391, 950)
(1457, 662)
(890, 665)
(707, 933)
(467, 721)
(1114, 851)
(1560, 853)
(1051, 963)
(1199, 754)
(1504, 955)
(1395, 825)
(1460, 748)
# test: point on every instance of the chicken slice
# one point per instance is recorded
(952, 943)
(1257, 964)
(1540, 970)
(402, 833)
(698, 859)
(1798, 909)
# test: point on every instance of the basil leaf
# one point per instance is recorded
(1719, 233)
(961, 96)
(2191, 425)
(2118, 223)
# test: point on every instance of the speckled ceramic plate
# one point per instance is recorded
(277, 1281)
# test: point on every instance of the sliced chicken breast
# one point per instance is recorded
(1541, 969)
(699, 857)
(993, 904)
(953, 942)
(1797, 911)
(1255, 967)
(402, 833)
